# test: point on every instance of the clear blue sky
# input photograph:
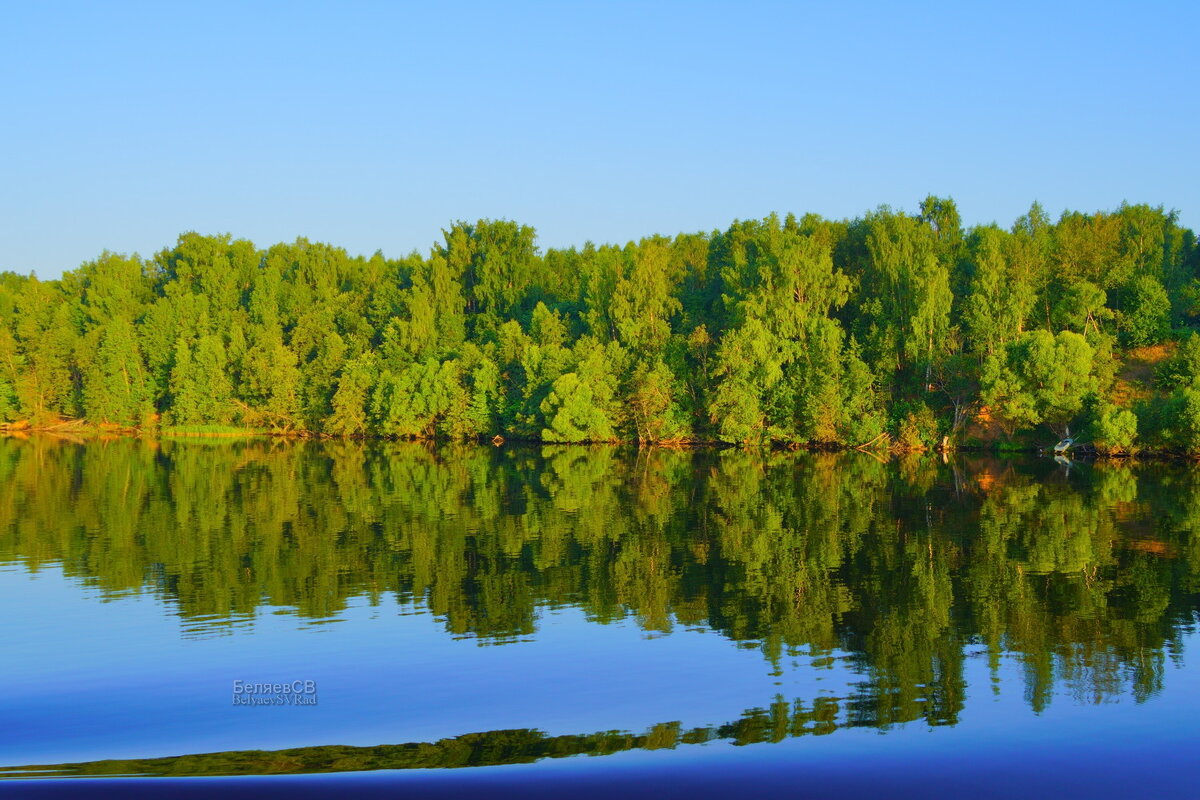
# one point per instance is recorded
(374, 125)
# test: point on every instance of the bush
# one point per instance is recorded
(1115, 429)
(918, 429)
(1182, 368)
(1181, 420)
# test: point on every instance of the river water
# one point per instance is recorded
(449, 620)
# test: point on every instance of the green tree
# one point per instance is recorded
(496, 260)
(349, 416)
(1114, 429)
(581, 405)
(270, 381)
(1041, 378)
(909, 283)
(200, 388)
(1146, 315)
(116, 388)
(1002, 292)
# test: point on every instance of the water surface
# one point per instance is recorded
(596, 614)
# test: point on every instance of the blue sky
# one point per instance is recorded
(375, 125)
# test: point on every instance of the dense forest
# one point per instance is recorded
(891, 329)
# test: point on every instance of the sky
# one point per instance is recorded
(373, 126)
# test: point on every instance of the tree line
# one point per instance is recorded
(897, 327)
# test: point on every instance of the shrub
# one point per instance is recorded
(1115, 429)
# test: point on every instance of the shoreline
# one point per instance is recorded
(83, 431)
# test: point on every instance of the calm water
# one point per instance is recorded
(691, 621)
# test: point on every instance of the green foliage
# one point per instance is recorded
(1081, 307)
(495, 261)
(655, 404)
(483, 414)
(572, 413)
(271, 381)
(200, 386)
(1002, 290)
(420, 400)
(1183, 368)
(45, 339)
(8, 401)
(793, 330)
(785, 371)
(349, 417)
(643, 301)
(581, 404)
(115, 383)
(1181, 419)
(909, 277)
(1040, 378)
(210, 430)
(1114, 429)
(918, 429)
(1146, 318)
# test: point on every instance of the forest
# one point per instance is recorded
(898, 330)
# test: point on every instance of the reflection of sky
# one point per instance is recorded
(84, 679)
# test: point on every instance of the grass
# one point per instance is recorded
(210, 430)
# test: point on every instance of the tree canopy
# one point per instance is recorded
(807, 331)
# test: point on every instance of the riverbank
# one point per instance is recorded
(81, 430)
